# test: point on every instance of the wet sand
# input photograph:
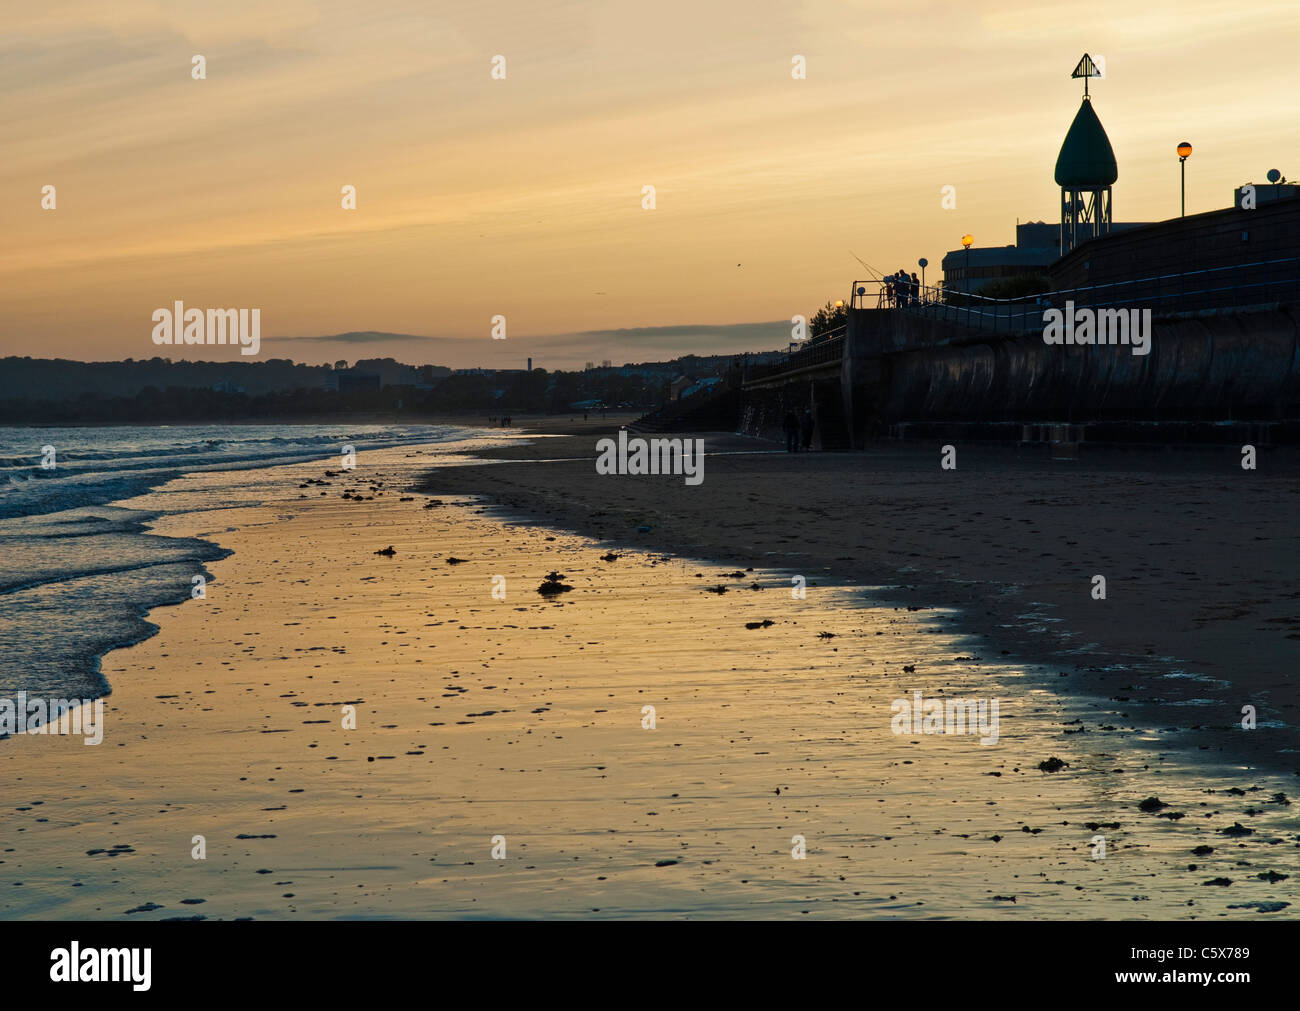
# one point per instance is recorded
(479, 717)
(1202, 608)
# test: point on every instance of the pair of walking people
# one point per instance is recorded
(798, 429)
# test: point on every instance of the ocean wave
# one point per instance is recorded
(79, 574)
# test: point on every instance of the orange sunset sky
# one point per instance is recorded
(523, 196)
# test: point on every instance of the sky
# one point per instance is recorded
(522, 196)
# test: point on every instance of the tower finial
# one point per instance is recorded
(1086, 69)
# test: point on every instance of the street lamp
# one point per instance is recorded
(1184, 152)
(966, 241)
(923, 263)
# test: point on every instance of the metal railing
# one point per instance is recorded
(813, 353)
(1263, 282)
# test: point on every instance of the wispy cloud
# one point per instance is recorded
(550, 351)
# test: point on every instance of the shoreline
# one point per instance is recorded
(1159, 654)
(470, 419)
(174, 560)
(521, 718)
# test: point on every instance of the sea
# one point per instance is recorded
(79, 571)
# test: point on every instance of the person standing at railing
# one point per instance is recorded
(916, 288)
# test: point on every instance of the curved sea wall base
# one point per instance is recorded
(1217, 366)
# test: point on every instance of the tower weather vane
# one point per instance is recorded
(1086, 69)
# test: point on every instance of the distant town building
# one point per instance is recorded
(426, 378)
(489, 372)
(1035, 250)
(1265, 193)
(969, 270)
(352, 381)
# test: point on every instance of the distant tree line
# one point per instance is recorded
(536, 392)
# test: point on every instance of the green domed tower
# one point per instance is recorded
(1085, 170)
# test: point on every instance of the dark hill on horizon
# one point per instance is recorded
(55, 379)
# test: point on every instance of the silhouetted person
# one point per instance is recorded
(916, 287)
(791, 426)
(806, 426)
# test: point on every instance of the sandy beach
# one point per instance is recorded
(1202, 610)
(424, 734)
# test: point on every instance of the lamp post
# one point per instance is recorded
(1184, 152)
(923, 263)
(966, 241)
